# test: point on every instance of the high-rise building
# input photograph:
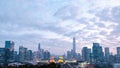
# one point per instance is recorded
(9, 45)
(9, 51)
(107, 54)
(89, 55)
(46, 55)
(69, 55)
(26, 55)
(22, 54)
(97, 52)
(86, 54)
(39, 48)
(35, 56)
(118, 50)
(29, 55)
(78, 57)
(16, 57)
(112, 58)
(40, 52)
(2, 55)
(74, 48)
(118, 55)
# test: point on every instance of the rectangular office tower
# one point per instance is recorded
(9, 51)
(97, 53)
(118, 55)
(2, 55)
(118, 51)
(107, 54)
(86, 54)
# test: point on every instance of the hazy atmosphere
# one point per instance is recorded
(53, 23)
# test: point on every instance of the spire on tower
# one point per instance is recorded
(39, 47)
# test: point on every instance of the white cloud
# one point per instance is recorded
(55, 22)
(106, 3)
(71, 25)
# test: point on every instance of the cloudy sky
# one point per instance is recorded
(54, 23)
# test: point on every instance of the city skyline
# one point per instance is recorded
(54, 23)
(94, 57)
(73, 50)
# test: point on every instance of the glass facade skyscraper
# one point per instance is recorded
(118, 50)
(97, 52)
(107, 54)
(86, 54)
(9, 51)
(2, 55)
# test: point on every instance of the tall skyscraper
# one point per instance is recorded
(9, 51)
(29, 55)
(107, 54)
(9, 45)
(25, 51)
(46, 55)
(118, 55)
(22, 54)
(39, 48)
(35, 56)
(118, 50)
(69, 55)
(16, 57)
(74, 47)
(86, 54)
(40, 52)
(97, 52)
(2, 55)
(78, 57)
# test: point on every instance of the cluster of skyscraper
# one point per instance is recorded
(72, 54)
(94, 55)
(8, 55)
